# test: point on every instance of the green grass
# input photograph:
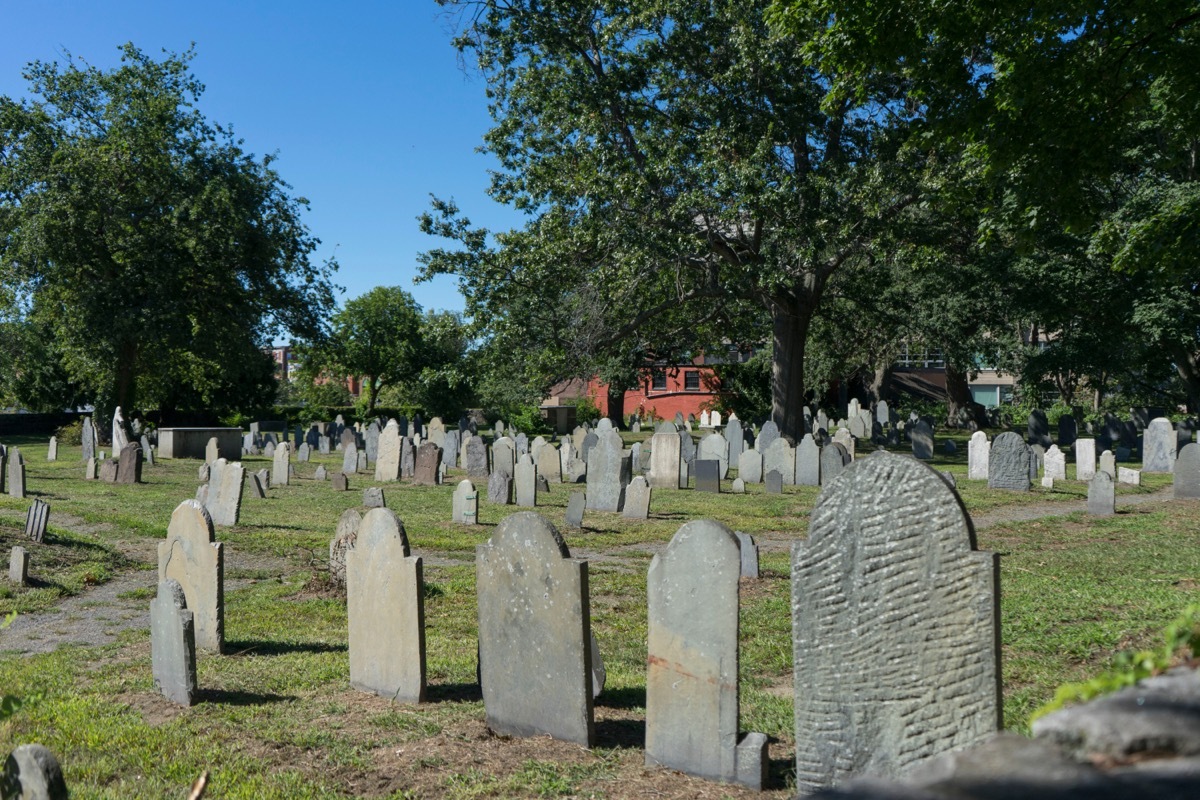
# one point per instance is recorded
(278, 718)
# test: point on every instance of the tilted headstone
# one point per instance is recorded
(31, 772)
(521, 444)
(225, 492)
(264, 478)
(466, 504)
(1108, 464)
(834, 459)
(257, 490)
(608, 473)
(1187, 472)
(342, 542)
(18, 566)
(687, 447)
(774, 482)
(766, 436)
(534, 632)
(119, 437)
(891, 566)
(129, 467)
(90, 470)
(350, 458)
(387, 462)
(664, 460)
(36, 520)
(173, 644)
(1102, 495)
(500, 489)
(191, 556)
(808, 462)
(1158, 446)
(1085, 459)
(385, 609)
(429, 459)
(373, 498)
(780, 457)
(750, 466)
(477, 458)
(949, 478)
(1039, 428)
(1055, 463)
(692, 660)
(883, 413)
(921, 436)
(281, 465)
(715, 447)
(749, 555)
(363, 466)
(1009, 463)
(978, 451)
(857, 427)
(525, 482)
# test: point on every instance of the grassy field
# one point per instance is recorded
(278, 718)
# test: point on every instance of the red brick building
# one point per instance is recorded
(664, 391)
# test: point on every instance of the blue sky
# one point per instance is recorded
(365, 104)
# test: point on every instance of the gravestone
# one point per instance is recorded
(1187, 472)
(883, 413)
(834, 459)
(774, 482)
(281, 465)
(708, 475)
(385, 610)
(108, 470)
(749, 555)
(340, 482)
(173, 644)
(202, 495)
(257, 490)
(664, 459)
(346, 438)
(147, 451)
(766, 436)
(715, 447)
(408, 456)
(525, 482)
(534, 633)
(535, 447)
(738, 486)
(451, 446)
(949, 447)
(373, 498)
(477, 458)
(692, 660)
(842, 436)
(269, 450)
(342, 542)
(429, 459)
(978, 453)
(1068, 430)
(225, 492)
(1039, 428)
(1132, 477)
(750, 466)
(435, 432)
(857, 427)
(637, 499)
(371, 442)
(36, 520)
(736, 438)
(685, 473)
(129, 467)
(500, 489)
(52, 449)
(1009, 463)
(90, 442)
(363, 466)
(15, 474)
(1085, 459)
(1102, 495)
(549, 465)
(504, 456)
(520, 445)
(31, 772)
(890, 566)
(204, 473)
(465, 509)
(212, 451)
(323, 445)
(1054, 463)
(573, 468)
(1108, 464)
(191, 556)
(608, 473)
(350, 458)
(119, 438)
(575, 508)
(90, 470)
(387, 459)
(808, 462)
(687, 449)
(1158, 446)
(921, 436)
(264, 478)
(18, 566)
(780, 457)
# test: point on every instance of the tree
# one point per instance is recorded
(688, 160)
(157, 252)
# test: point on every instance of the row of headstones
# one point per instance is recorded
(1111, 432)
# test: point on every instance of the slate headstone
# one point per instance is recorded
(90, 443)
(36, 520)
(750, 466)
(408, 456)
(225, 492)
(637, 499)
(525, 482)
(708, 475)
(749, 555)
(575, 508)
(173, 644)
(191, 556)
(1068, 430)
(350, 458)
(1039, 428)
(373, 498)
(921, 436)
(477, 458)
(808, 462)
(549, 465)
(387, 459)
(608, 473)
(766, 436)
(500, 489)
(714, 446)
(1009, 463)
(1102, 495)
(774, 482)
(31, 772)
(108, 471)
(429, 458)
(780, 457)
(15, 474)
(340, 482)
(129, 467)
(736, 438)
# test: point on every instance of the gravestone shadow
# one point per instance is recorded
(623, 733)
(228, 698)
(259, 647)
(453, 693)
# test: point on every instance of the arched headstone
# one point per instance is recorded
(191, 556)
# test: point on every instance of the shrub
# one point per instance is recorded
(70, 434)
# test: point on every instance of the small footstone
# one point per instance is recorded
(340, 482)
(1133, 477)
(749, 551)
(173, 644)
(108, 470)
(575, 507)
(18, 566)
(373, 498)
(738, 487)
(1047, 481)
(774, 482)
(321, 473)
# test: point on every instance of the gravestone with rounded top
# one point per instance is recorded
(608, 473)
(225, 484)
(637, 499)
(500, 489)
(1038, 428)
(708, 475)
(191, 556)
(371, 441)
(549, 464)
(344, 537)
(52, 449)
(408, 456)
(534, 632)
(281, 465)
(735, 435)
(891, 566)
(173, 644)
(750, 466)
(211, 451)
(978, 452)
(766, 436)
(1054, 464)
(350, 458)
(1158, 446)
(1068, 430)
(715, 447)
(1108, 464)
(385, 608)
(692, 659)
(1010, 463)
(576, 504)
(428, 462)
(387, 460)
(90, 442)
(1102, 495)
(664, 458)
(921, 436)
(340, 482)
(504, 458)
(834, 459)
(808, 462)
(465, 509)
(477, 457)
(1187, 472)
(435, 431)
(451, 446)
(773, 482)
(525, 482)
(780, 457)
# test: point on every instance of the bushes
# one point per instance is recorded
(70, 435)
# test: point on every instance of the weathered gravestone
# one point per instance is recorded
(750, 466)
(549, 465)
(435, 432)
(173, 644)
(108, 470)
(637, 499)
(147, 451)
(913, 587)
(451, 446)
(842, 436)
(429, 461)
(525, 482)
(31, 772)
(780, 457)
(535, 656)
(1102, 495)
(774, 482)
(52, 449)
(90, 440)
(500, 489)
(1054, 464)
(225, 492)
(1158, 446)
(978, 453)
(90, 470)
(1108, 464)
(749, 554)
(280, 465)
(736, 438)
(692, 660)
(340, 482)
(36, 520)
(342, 542)
(1009, 463)
(1133, 477)
(708, 475)
(257, 490)
(204, 473)
(371, 442)
(808, 462)
(715, 447)
(834, 459)
(608, 473)
(504, 456)
(15, 474)
(350, 458)
(738, 486)
(373, 498)
(387, 461)
(664, 458)
(921, 436)
(477, 458)
(269, 450)
(385, 608)
(465, 508)
(129, 467)
(18, 566)
(212, 451)
(408, 456)
(576, 504)
(1187, 472)
(191, 556)
(766, 436)
(1085, 458)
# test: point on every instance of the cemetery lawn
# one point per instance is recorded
(277, 717)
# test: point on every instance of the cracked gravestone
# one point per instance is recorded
(191, 556)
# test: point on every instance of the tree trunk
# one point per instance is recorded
(371, 395)
(125, 383)
(960, 406)
(881, 381)
(1187, 364)
(616, 405)
(792, 318)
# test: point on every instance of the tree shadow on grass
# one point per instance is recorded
(228, 698)
(259, 647)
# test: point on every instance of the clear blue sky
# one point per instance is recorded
(364, 102)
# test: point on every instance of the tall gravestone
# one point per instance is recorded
(735, 437)
(1187, 472)
(350, 458)
(15, 478)
(477, 458)
(808, 462)
(1068, 430)
(52, 449)
(766, 436)
(371, 442)
(692, 659)
(978, 452)
(750, 466)
(1010, 462)
(664, 458)
(921, 436)
(90, 444)
(1055, 464)
(451, 445)
(173, 644)
(1102, 495)
(387, 459)
(834, 459)
(525, 482)
(549, 465)
(914, 588)
(408, 456)
(780, 457)
(534, 632)
(281, 465)
(212, 451)
(386, 610)
(1085, 458)
(500, 489)
(147, 450)
(608, 473)
(428, 461)
(225, 485)
(191, 556)
(715, 447)
(465, 509)
(1038, 428)
(129, 467)
(1158, 446)
(504, 456)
